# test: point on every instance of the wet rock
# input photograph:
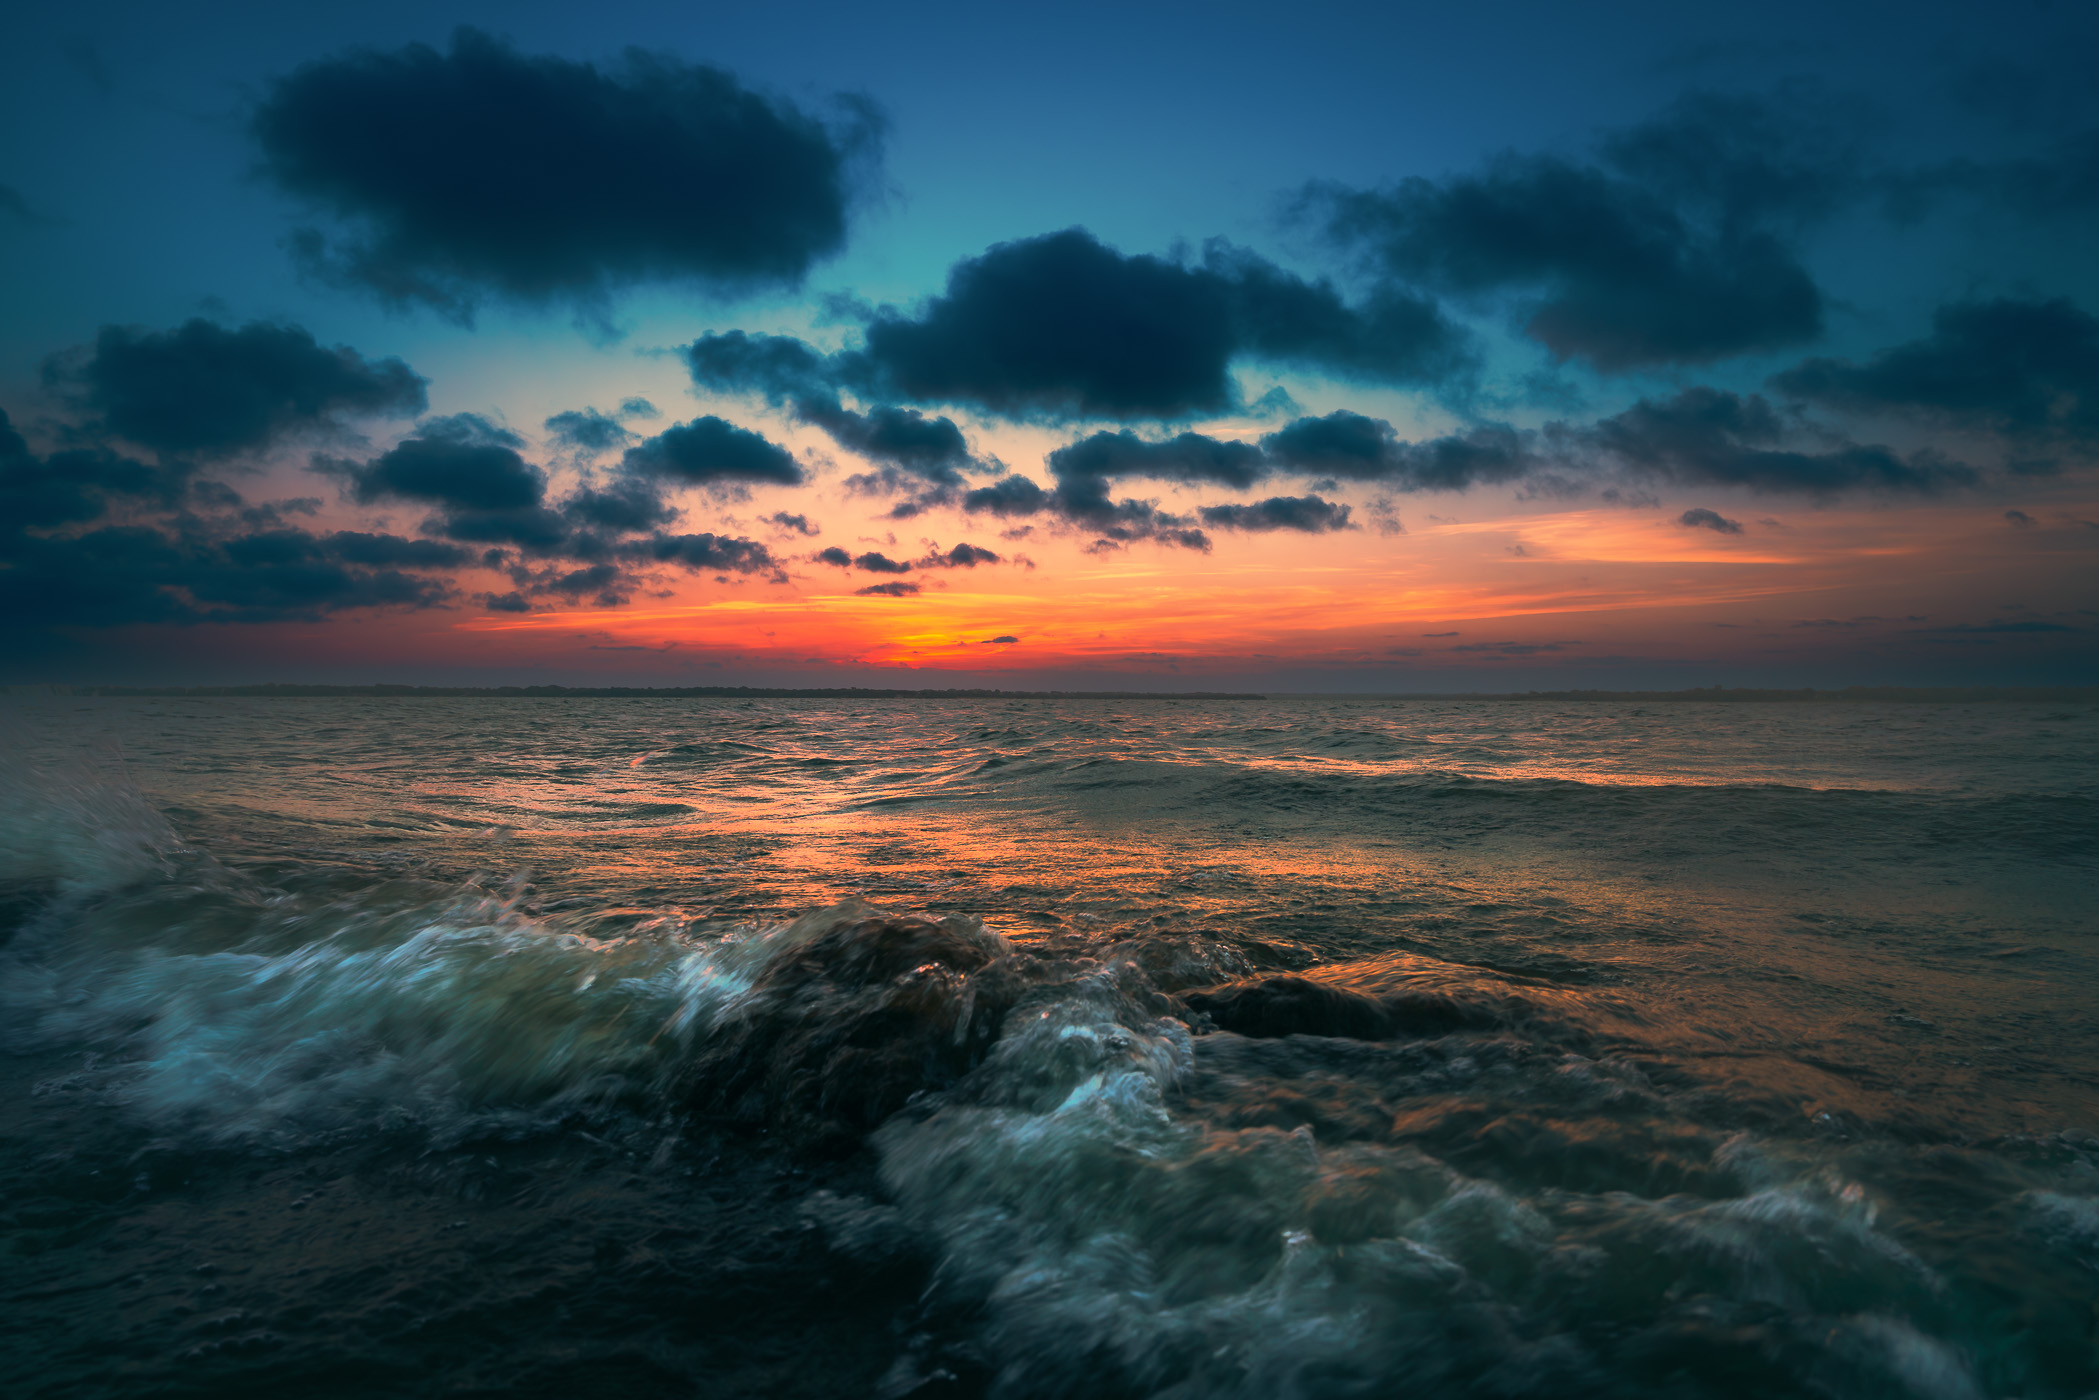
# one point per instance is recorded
(1281, 1006)
(847, 1020)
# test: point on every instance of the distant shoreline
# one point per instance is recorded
(1877, 694)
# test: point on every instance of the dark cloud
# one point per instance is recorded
(705, 552)
(638, 407)
(1706, 436)
(1350, 447)
(2026, 369)
(1062, 326)
(484, 170)
(712, 451)
(462, 462)
(962, 556)
(1190, 457)
(1307, 513)
(534, 529)
(392, 551)
(131, 574)
(1001, 641)
(795, 522)
(881, 564)
(588, 431)
(69, 487)
(1699, 518)
(626, 505)
(789, 373)
(2019, 520)
(505, 602)
(203, 390)
(1675, 247)
(887, 590)
(607, 583)
(833, 555)
(1007, 497)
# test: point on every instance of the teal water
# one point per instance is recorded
(1306, 1047)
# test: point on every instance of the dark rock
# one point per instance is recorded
(847, 1021)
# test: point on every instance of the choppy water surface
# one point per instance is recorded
(1026, 1048)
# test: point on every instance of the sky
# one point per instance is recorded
(1330, 347)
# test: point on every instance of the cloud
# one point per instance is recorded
(887, 590)
(962, 556)
(628, 504)
(1699, 518)
(1307, 513)
(204, 390)
(588, 431)
(359, 547)
(72, 486)
(795, 522)
(1675, 246)
(1711, 437)
(505, 602)
(1350, 447)
(2028, 370)
(704, 553)
(131, 574)
(1062, 326)
(461, 462)
(1190, 457)
(833, 555)
(788, 372)
(486, 171)
(710, 451)
(1001, 641)
(2019, 520)
(880, 564)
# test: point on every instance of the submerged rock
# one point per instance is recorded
(852, 1016)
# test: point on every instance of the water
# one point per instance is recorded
(1307, 1047)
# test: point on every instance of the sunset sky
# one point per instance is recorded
(1313, 347)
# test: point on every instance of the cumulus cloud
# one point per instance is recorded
(1063, 326)
(204, 390)
(481, 170)
(711, 451)
(1675, 245)
(887, 590)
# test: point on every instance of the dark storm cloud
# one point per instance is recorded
(1062, 326)
(2027, 370)
(1675, 246)
(887, 590)
(1699, 518)
(1307, 513)
(462, 462)
(711, 451)
(484, 170)
(787, 372)
(204, 390)
(587, 430)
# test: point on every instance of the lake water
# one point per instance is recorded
(1301, 1047)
